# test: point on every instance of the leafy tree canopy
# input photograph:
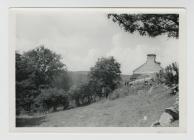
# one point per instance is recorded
(106, 73)
(45, 64)
(148, 24)
(37, 69)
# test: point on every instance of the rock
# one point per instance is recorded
(173, 111)
(165, 119)
(170, 115)
(156, 124)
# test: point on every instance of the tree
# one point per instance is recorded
(52, 98)
(105, 74)
(37, 69)
(26, 90)
(74, 93)
(46, 64)
(148, 24)
(169, 75)
(82, 94)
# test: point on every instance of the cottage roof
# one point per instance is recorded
(150, 66)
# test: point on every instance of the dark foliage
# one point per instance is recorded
(170, 75)
(37, 69)
(105, 76)
(26, 89)
(82, 94)
(42, 82)
(51, 98)
(45, 63)
(148, 24)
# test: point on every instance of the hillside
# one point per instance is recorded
(78, 77)
(131, 111)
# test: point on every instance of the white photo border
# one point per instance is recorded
(182, 79)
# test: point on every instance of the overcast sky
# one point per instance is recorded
(82, 37)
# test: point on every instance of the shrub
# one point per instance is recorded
(170, 75)
(74, 94)
(52, 98)
(82, 94)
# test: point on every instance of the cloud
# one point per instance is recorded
(131, 50)
(82, 37)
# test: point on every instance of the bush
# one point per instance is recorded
(169, 76)
(51, 98)
(82, 94)
(74, 94)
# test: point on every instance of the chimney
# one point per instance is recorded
(151, 58)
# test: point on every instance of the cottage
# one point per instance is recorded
(146, 71)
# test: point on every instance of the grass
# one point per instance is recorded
(134, 110)
(29, 121)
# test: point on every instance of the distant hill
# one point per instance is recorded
(78, 77)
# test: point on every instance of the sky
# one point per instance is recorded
(83, 37)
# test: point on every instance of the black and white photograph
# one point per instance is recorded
(97, 67)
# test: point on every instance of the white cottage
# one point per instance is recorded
(151, 66)
(147, 70)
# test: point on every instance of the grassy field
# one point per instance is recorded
(131, 111)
